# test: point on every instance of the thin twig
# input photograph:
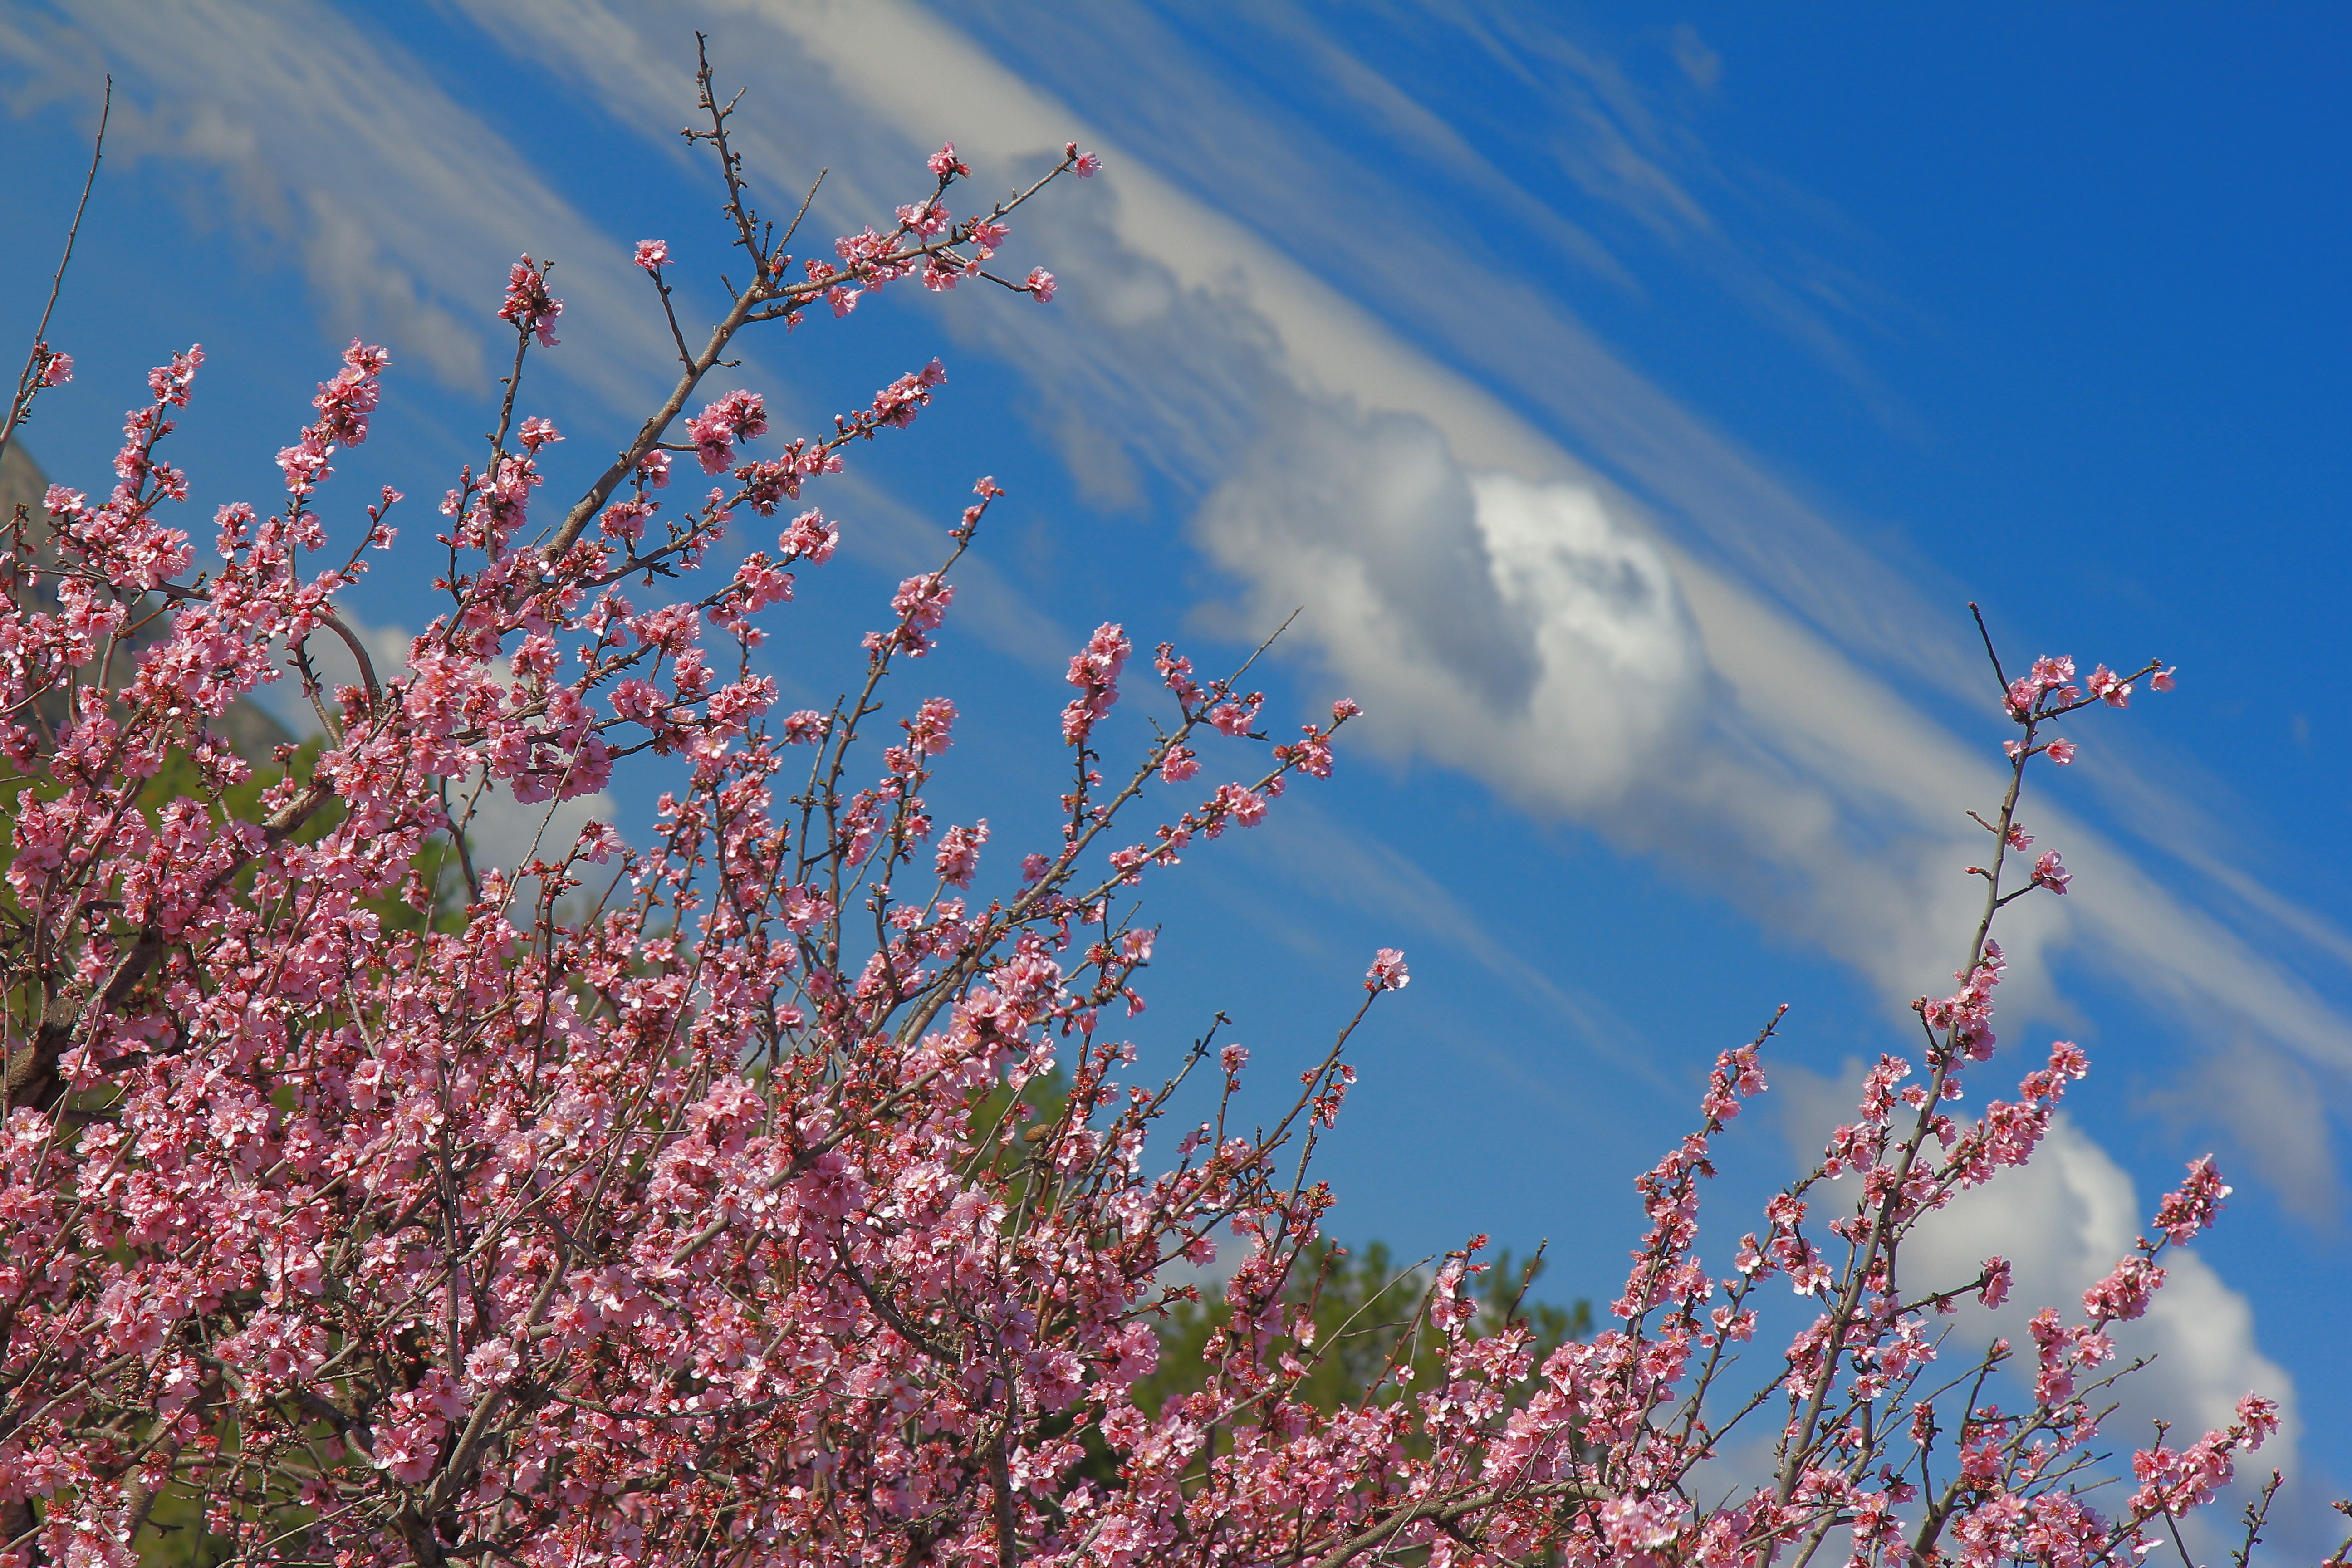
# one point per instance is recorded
(18, 403)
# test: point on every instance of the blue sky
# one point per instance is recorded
(1634, 401)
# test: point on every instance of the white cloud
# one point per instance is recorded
(1807, 784)
(326, 141)
(1769, 761)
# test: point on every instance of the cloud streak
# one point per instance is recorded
(328, 143)
(1679, 694)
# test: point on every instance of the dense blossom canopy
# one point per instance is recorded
(760, 1193)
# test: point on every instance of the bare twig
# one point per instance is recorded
(22, 400)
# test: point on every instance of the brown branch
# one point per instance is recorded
(24, 389)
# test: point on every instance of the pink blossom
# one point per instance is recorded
(921, 604)
(1094, 670)
(1041, 285)
(652, 255)
(810, 538)
(2061, 752)
(1246, 806)
(1995, 1289)
(2125, 1293)
(2193, 1205)
(959, 853)
(738, 416)
(528, 304)
(491, 1364)
(1388, 972)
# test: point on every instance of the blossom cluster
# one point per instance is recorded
(780, 1188)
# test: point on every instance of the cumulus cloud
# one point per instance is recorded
(1471, 612)
(1690, 673)
(1369, 521)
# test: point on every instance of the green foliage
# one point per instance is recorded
(179, 779)
(1367, 1322)
(175, 1535)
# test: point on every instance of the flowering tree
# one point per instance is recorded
(687, 1203)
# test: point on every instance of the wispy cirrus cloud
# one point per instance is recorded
(1195, 336)
(1662, 671)
(313, 137)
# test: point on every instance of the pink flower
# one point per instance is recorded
(1244, 806)
(2191, 1208)
(942, 272)
(1995, 1289)
(2125, 1293)
(921, 604)
(2050, 673)
(2162, 680)
(959, 856)
(728, 1139)
(652, 255)
(738, 416)
(926, 220)
(528, 304)
(490, 1365)
(1085, 163)
(56, 369)
(626, 519)
(810, 537)
(1041, 284)
(945, 164)
(1094, 670)
(2062, 751)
